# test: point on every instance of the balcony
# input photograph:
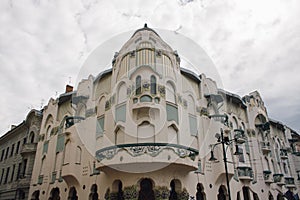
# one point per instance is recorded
(289, 182)
(245, 173)
(265, 147)
(70, 121)
(283, 154)
(145, 153)
(28, 148)
(23, 181)
(267, 176)
(278, 179)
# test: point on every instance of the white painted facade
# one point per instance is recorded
(144, 129)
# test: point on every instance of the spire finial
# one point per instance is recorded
(145, 26)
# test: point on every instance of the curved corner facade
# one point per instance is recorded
(148, 129)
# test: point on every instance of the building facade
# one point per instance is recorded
(18, 147)
(149, 129)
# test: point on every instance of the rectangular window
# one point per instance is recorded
(12, 173)
(193, 125)
(2, 174)
(241, 156)
(247, 148)
(6, 175)
(6, 154)
(45, 147)
(24, 168)
(18, 146)
(2, 154)
(100, 126)
(19, 171)
(172, 113)
(12, 150)
(60, 143)
(121, 113)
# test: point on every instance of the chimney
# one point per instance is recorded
(12, 127)
(69, 88)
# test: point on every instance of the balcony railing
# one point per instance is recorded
(70, 121)
(289, 182)
(267, 176)
(283, 154)
(152, 149)
(265, 147)
(245, 173)
(28, 148)
(278, 178)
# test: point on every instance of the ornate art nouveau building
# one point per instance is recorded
(149, 129)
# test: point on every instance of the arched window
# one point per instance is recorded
(153, 84)
(31, 137)
(35, 195)
(78, 155)
(122, 93)
(138, 85)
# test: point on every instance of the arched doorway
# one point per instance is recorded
(20, 194)
(246, 193)
(280, 196)
(94, 193)
(175, 185)
(222, 193)
(255, 196)
(117, 190)
(146, 190)
(270, 196)
(35, 195)
(200, 195)
(54, 194)
(72, 194)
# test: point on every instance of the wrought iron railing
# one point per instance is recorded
(152, 149)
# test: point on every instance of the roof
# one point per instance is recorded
(235, 98)
(190, 74)
(145, 28)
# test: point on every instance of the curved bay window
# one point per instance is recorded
(145, 57)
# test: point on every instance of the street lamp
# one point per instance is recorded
(225, 140)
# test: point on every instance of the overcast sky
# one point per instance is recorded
(254, 44)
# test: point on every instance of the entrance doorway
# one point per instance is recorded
(146, 190)
(222, 193)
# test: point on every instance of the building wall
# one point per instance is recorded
(18, 147)
(149, 123)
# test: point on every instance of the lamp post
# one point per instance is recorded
(225, 140)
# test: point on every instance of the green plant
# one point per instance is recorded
(161, 192)
(183, 195)
(130, 193)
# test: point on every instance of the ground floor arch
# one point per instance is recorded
(146, 190)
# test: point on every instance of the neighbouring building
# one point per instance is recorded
(17, 151)
(149, 129)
